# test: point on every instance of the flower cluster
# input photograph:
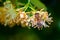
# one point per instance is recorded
(39, 19)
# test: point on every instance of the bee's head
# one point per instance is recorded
(37, 15)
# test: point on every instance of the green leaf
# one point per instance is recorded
(38, 4)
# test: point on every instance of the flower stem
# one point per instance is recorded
(29, 5)
(32, 8)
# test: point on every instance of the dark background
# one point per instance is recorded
(51, 33)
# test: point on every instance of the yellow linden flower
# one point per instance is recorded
(39, 18)
(36, 19)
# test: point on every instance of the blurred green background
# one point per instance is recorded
(19, 33)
